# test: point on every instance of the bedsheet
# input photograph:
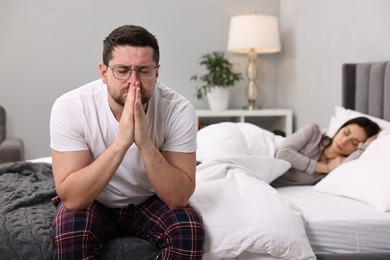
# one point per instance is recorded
(336, 224)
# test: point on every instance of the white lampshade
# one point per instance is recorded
(258, 32)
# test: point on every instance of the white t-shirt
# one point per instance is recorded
(82, 120)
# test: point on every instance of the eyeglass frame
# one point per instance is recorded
(136, 69)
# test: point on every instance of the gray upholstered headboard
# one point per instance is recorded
(366, 88)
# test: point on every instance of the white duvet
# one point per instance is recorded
(243, 213)
(244, 217)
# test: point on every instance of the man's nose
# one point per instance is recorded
(133, 77)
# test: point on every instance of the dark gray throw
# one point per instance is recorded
(26, 211)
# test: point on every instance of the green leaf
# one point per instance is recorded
(219, 73)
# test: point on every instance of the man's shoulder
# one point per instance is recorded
(166, 94)
(170, 105)
(86, 90)
(82, 98)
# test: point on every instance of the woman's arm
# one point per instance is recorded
(302, 148)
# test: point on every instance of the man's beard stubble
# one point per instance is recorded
(121, 100)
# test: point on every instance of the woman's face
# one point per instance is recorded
(348, 138)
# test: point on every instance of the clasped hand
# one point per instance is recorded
(132, 124)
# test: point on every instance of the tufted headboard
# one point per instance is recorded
(366, 88)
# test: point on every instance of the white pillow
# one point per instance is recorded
(230, 139)
(366, 179)
(342, 115)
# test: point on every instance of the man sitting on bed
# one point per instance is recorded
(123, 150)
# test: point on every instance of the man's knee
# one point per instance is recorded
(75, 234)
(189, 224)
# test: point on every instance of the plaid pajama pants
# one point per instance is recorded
(179, 233)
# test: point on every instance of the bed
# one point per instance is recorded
(348, 228)
(344, 217)
(244, 217)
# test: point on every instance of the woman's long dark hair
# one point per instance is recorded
(370, 128)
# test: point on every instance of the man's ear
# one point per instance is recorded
(157, 71)
(103, 72)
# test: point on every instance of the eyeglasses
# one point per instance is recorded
(123, 72)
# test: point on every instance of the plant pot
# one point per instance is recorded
(218, 98)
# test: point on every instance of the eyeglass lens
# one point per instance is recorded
(123, 72)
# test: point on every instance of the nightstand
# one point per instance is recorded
(269, 119)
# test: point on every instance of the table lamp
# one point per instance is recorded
(251, 35)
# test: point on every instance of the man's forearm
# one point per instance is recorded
(84, 185)
(174, 185)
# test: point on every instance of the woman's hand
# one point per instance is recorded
(370, 139)
(333, 163)
(329, 165)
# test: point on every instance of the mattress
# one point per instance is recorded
(340, 225)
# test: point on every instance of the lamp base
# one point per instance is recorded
(251, 90)
(251, 106)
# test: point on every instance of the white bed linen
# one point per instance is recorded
(243, 214)
(337, 224)
(41, 160)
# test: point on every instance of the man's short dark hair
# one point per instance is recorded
(131, 35)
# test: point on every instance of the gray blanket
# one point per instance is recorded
(26, 213)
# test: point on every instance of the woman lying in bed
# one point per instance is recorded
(313, 155)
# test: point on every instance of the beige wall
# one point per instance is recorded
(318, 37)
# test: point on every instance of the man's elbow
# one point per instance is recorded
(73, 205)
(177, 205)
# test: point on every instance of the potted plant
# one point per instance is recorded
(219, 76)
